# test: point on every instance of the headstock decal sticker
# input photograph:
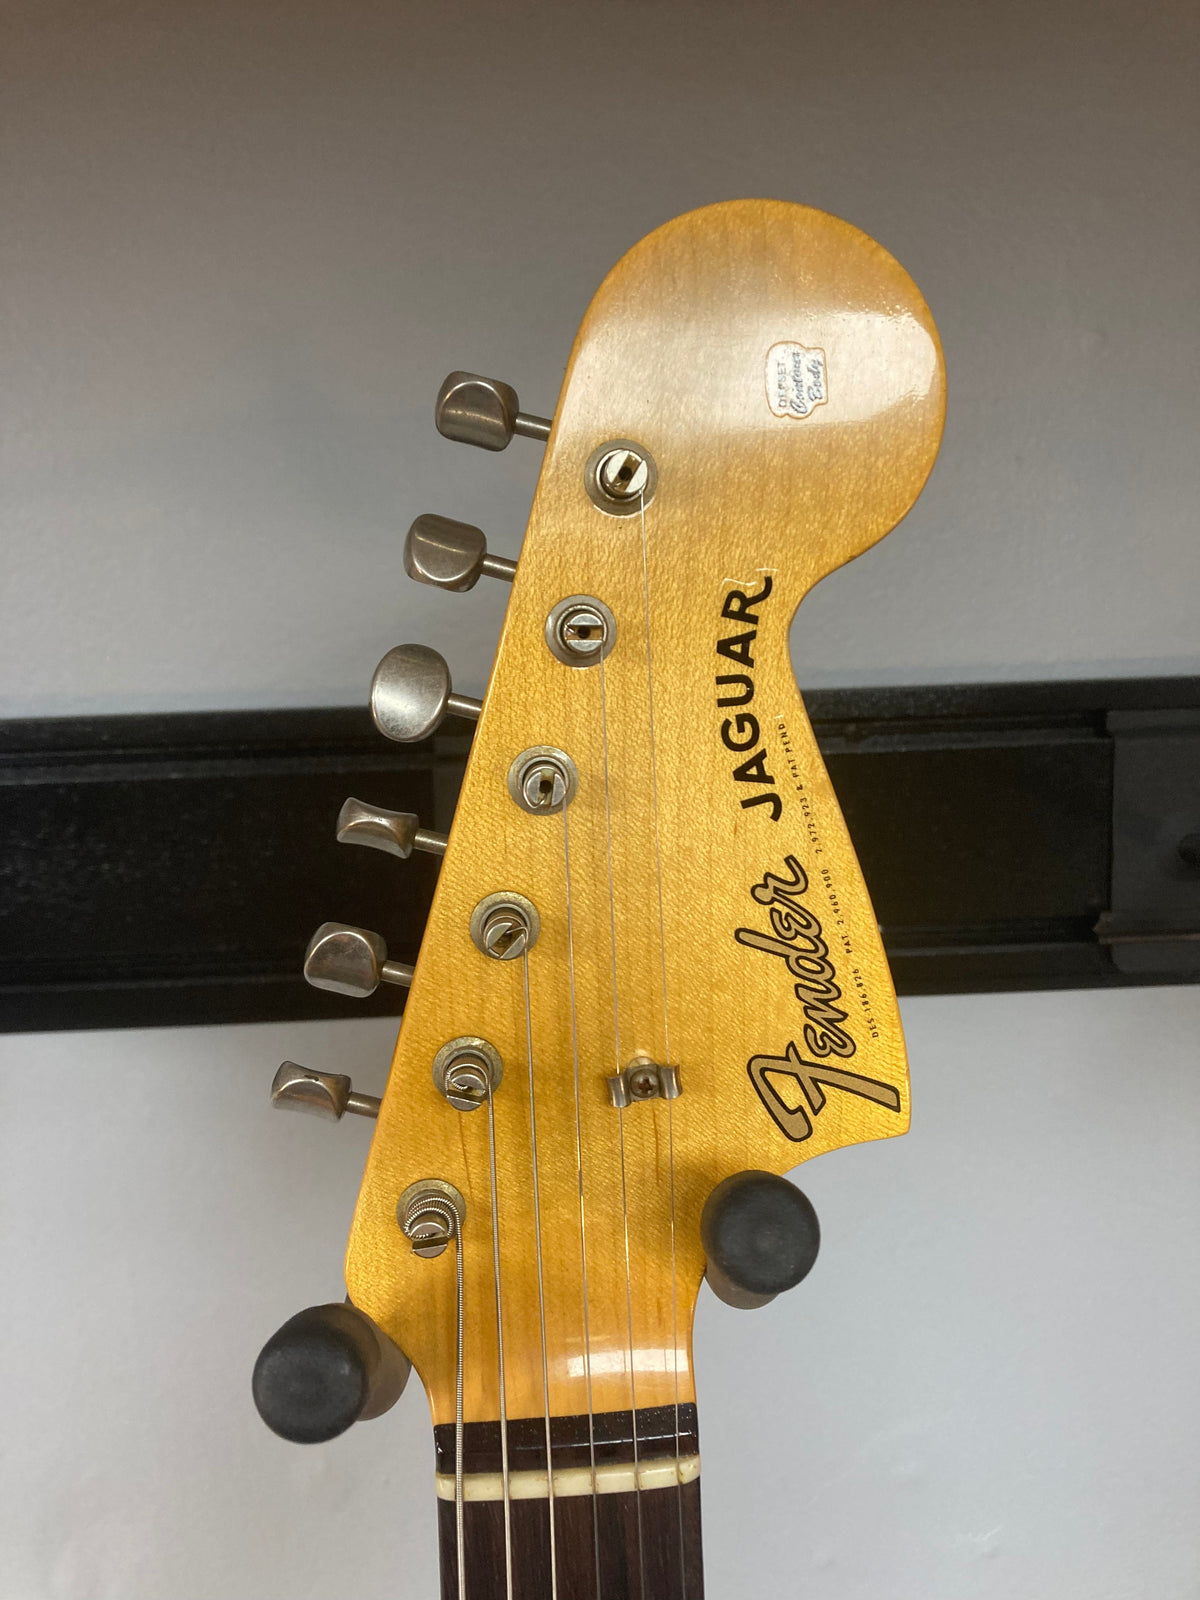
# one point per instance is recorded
(742, 733)
(797, 379)
(807, 1076)
(796, 936)
(798, 939)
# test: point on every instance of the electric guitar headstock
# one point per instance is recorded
(651, 981)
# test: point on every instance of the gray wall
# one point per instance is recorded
(245, 241)
(242, 243)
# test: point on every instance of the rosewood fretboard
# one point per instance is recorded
(620, 1543)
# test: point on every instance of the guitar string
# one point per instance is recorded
(662, 951)
(460, 1538)
(587, 1346)
(612, 923)
(537, 1229)
(504, 1475)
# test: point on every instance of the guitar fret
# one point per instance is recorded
(662, 1543)
(609, 1435)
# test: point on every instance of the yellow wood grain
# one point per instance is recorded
(662, 856)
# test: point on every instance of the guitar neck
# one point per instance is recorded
(623, 1522)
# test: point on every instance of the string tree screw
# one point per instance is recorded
(643, 1079)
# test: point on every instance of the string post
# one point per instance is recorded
(431, 1214)
(580, 631)
(467, 1072)
(543, 780)
(620, 477)
(505, 925)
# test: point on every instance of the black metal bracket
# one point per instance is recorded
(1153, 924)
(170, 869)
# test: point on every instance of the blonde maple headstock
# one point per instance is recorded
(699, 901)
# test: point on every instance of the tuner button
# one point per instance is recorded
(323, 1094)
(324, 1369)
(760, 1236)
(451, 555)
(351, 961)
(397, 832)
(482, 411)
(410, 694)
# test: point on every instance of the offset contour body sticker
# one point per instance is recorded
(797, 379)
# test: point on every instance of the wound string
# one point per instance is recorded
(504, 1477)
(612, 921)
(662, 951)
(587, 1348)
(459, 1521)
(537, 1228)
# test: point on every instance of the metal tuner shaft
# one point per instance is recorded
(452, 555)
(484, 412)
(351, 961)
(411, 693)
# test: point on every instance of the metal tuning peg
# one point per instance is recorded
(324, 1369)
(451, 555)
(760, 1236)
(410, 694)
(352, 961)
(397, 832)
(475, 410)
(323, 1094)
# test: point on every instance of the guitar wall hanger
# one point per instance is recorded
(327, 1367)
(760, 1236)
(648, 888)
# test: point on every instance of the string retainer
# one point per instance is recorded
(643, 1079)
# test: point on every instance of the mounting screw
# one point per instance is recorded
(643, 1079)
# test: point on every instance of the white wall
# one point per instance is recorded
(987, 1387)
(242, 243)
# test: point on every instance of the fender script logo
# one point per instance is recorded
(797, 938)
(807, 1077)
